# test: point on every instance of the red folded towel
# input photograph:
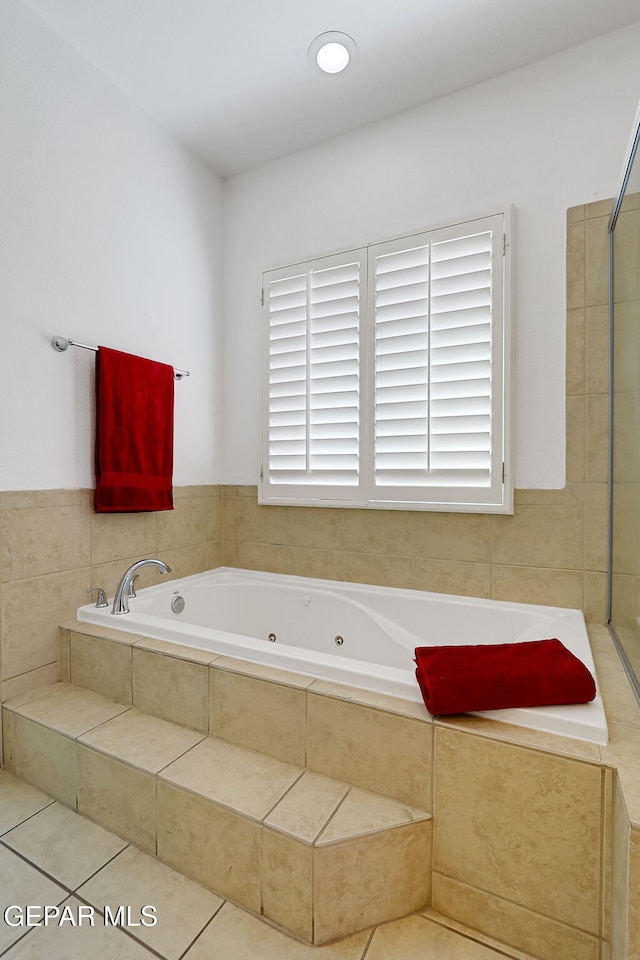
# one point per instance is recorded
(134, 433)
(494, 676)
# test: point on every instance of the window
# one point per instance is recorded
(386, 375)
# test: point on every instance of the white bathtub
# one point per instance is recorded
(352, 633)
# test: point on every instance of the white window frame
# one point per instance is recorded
(496, 498)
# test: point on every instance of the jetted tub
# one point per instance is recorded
(351, 633)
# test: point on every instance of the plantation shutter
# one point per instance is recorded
(386, 374)
(313, 373)
(434, 362)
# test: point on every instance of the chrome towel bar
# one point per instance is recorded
(61, 343)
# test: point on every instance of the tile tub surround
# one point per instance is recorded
(548, 824)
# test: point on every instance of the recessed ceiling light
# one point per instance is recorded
(332, 53)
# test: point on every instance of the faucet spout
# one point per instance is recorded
(121, 599)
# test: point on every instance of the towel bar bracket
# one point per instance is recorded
(60, 344)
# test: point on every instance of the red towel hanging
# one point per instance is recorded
(134, 433)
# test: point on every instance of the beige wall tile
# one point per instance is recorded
(626, 257)
(287, 883)
(596, 371)
(228, 553)
(108, 575)
(255, 522)
(26, 682)
(554, 588)
(509, 923)
(103, 666)
(540, 536)
(575, 214)
(596, 526)
(228, 517)
(193, 520)
(258, 714)
(378, 569)
(397, 866)
(322, 564)
(42, 540)
(596, 260)
(575, 265)
(595, 604)
(522, 825)
(185, 561)
(213, 490)
(451, 576)
(176, 690)
(44, 758)
(26, 499)
(64, 655)
(625, 431)
(575, 439)
(30, 611)
(321, 528)
(449, 536)
(118, 797)
(596, 438)
(598, 208)
(260, 556)
(377, 751)
(377, 531)
(210, 844)
(116, 535)
(576, 341)
(626, 344)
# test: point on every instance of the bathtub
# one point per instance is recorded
(351, 633)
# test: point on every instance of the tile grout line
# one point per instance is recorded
(205, 927)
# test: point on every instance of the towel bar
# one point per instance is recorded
(60, 344)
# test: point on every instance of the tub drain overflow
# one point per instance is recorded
(338, 640)
(272, 637)
(177, 604)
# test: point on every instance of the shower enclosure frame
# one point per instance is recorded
(630, 156)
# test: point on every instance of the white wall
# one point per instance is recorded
(543, 138)
(109, 233)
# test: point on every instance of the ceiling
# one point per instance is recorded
(230, 78)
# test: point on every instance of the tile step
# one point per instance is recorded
(317, 857)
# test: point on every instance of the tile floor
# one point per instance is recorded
(51, 856)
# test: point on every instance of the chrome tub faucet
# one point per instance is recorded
(121, 599)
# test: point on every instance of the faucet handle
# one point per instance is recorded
(101, 599)
(132, 586)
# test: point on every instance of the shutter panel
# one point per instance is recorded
(434, 368)
(313, 373)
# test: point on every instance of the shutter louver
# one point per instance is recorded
(433, 377)
(314, 376)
